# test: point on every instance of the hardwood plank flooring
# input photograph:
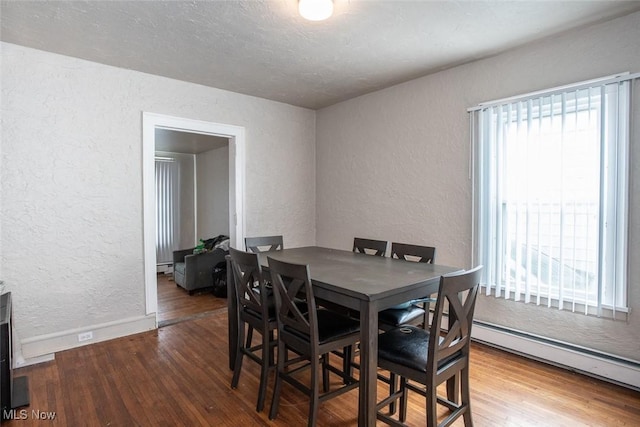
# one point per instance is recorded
(178, 376)
(175, 304)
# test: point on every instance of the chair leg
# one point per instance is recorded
(275, 400)
(466, 397)
(432, 400)
(453, 389)
(393, 382)
(237, 367)
(249, 336)
(403, 399)
(272, 349)
(347, 364)
(315, 391)
(267, 352)
(324, 360)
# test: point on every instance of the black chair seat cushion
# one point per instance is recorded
(331, 325)
(400, 316)
(407, 346)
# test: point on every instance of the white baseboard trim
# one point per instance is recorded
(605, 367)
(20, 362)
(48, 344)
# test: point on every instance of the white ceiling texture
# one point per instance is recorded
(265, 49)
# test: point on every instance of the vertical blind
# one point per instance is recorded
(550, 196)
(167, 209)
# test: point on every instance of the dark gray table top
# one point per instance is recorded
(364, 277)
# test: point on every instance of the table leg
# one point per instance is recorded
(232, 314)
(368, 363)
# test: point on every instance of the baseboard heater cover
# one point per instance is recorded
(607, 367)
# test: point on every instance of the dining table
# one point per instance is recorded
(365, 284)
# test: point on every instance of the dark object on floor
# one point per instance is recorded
(14, 390)
(220, 280)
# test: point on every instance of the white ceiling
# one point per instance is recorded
(263, 48)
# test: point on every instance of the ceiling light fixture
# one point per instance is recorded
(315, 10)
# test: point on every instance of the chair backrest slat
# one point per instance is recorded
(426, 254)
(369, 246)
(263, 243)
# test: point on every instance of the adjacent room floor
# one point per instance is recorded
(176, 305)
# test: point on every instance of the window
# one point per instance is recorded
(550, 195)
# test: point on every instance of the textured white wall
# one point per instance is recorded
(72, 248)
(394, 165)
(213, 192)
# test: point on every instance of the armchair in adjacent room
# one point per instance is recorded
(195, 271)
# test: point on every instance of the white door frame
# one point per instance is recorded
(151, 122)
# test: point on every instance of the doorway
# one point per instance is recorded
(192, 203)
(154, 126)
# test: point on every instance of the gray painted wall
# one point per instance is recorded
(394, 165)
(213, 192)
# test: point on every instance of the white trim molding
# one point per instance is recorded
(44, 346)
(236, 135)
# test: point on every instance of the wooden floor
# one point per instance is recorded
(178, 375)
(175, 304)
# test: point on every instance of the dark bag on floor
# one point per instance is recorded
(220, 280)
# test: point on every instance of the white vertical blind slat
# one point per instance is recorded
(529, 226)
(539, 209)
(560, 285)
(602, 201)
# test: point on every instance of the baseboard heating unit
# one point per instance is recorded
(607, 367)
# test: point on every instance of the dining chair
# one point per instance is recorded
(311, 335)
(412, 312)
(413, 252)
(256, 310)
(263, 243)
(426, 358)
(409, 312)
(369, 246)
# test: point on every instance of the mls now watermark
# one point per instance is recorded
(25, 414)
